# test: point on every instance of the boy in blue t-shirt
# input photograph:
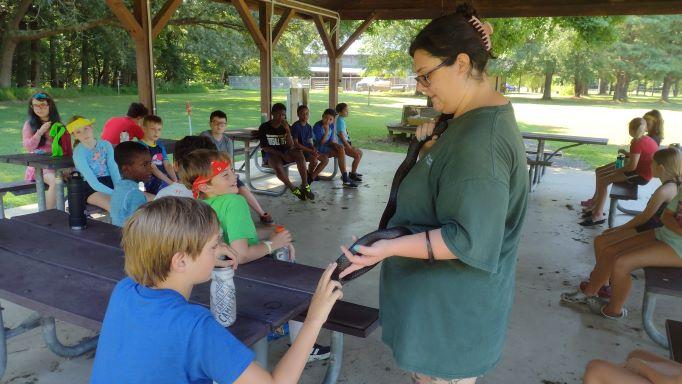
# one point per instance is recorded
(324, 136)
(163, 173)
(344, 139)
(302, 133)
(151, 332)
(134, 163)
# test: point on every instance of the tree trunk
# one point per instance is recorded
(23, 64)
(639, 84)
(35, 63)
(676, 88)
(9, 46)
(106, 71)
(618, 88)
(603, 87)
(54, 81)
(547, 91)
(667, 83)
(85, 66)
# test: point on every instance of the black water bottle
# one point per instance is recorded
(76, 199)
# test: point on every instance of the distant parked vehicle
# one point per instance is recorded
(510, 88)
(373, 83)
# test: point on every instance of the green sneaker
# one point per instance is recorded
(308, 193)
(298, 192)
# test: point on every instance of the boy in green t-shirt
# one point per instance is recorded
(210, 177)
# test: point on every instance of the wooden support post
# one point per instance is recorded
(141, 28)
(335, 69)
(265, 27)
(282, 25)
(359, 31)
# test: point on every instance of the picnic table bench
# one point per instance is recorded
(658, 281)
(83, 266)
(674, 331)
(622, 191)
(247, 136)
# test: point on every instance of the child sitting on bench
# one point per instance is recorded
(209, 174)
(667, 166)
(152, 333)
(640, 367)
(302, 133)
(135, 164)
(189, 144)
(344, 139)
(94, 159)
(637, 171)
(325, 141)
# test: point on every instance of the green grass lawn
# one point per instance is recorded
(367, 123)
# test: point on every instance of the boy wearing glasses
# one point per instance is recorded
(218, 123)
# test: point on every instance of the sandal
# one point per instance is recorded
(575, 297)
(265, 218)
(604, 291)
(597, 307)
(590, 223)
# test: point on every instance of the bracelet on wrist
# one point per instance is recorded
(268, 245)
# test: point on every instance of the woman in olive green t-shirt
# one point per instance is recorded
(465, 200)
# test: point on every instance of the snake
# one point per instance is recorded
(385, 233)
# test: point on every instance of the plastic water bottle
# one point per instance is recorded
(76, 198)
(620, 161)
(281, 254)
(223, 296)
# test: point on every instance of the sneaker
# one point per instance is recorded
(348, 183)
(597, 307)
(319, 352)
(355, 177)
(298, 192)
(308, 193)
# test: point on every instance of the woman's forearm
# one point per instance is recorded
(414, 246)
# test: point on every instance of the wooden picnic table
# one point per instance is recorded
(69, 275)
(542, 159)
(42, 161)
(247, 136)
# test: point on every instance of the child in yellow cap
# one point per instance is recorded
(94, 159)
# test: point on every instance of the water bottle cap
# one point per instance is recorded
(279, 228)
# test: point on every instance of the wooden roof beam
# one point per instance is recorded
(329, 45)
(129, 22)
(251, 25)
(282, 24)
(361, 29)
(165, 13)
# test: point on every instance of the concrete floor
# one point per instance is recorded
(547, 343)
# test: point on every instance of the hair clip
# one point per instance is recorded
(485, 29)
(40, 96)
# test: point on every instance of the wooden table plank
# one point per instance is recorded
(293, 276)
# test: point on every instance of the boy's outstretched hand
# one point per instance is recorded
(326, 294)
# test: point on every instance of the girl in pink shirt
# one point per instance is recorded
(42, 113)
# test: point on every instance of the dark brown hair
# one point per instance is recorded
(449, 35)
(151, 119)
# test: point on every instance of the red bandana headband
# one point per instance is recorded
(217, 167)
(485, 29)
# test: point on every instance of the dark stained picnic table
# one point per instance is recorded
(69, 275)
(42, 161)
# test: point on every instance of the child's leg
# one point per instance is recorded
(354, 153)
(323, 160)
(655, 254)
(276, 162)
(295, 155)
(604, 372)
(100, 199)
(251, 200)
(313, 161)
(604, 264)
(338, 152)
(601, 242)
(51, 191)
(602, 194)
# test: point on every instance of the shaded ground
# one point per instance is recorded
(547, 342)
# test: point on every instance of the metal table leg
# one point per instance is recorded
(50, 337)
(648, 320)
(31, 322)
(40, 188)
(335, 166)
(335, 360)
(261, 350)
(247, 174)
(59, 184)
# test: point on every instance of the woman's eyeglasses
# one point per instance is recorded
(424, 80)
(40, 105)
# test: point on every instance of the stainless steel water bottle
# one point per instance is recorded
(76, 198)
